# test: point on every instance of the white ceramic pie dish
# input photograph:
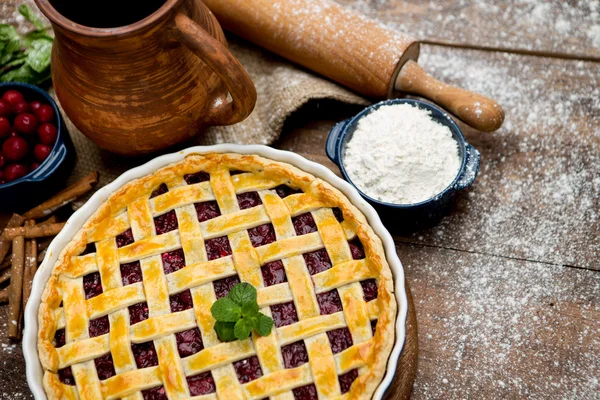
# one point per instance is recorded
(34, 368)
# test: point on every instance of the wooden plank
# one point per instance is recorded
(564, 28)
(538, 193)
(491, 327)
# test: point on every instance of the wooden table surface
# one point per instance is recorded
(507, 287)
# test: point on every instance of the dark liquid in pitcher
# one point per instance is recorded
(106, 13)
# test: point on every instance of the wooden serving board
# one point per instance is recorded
(401, 387)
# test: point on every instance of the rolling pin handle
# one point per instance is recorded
(475, 110)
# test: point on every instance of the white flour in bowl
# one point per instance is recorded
(399, 154)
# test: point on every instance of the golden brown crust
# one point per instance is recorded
(106, 219)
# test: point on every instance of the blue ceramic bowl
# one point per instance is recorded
(410, 217)
(39, 184)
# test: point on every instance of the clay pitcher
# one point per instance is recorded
(148, 85)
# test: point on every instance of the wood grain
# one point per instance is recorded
(545, 27)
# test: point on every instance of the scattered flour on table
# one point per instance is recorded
(399, 154)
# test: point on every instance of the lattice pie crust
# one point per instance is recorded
(126, 312)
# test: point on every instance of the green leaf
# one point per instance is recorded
(31, 17)
(243, 293)
(24, 74)
(225, 331)
(10, 41)
(31, 36)
(225, 310)
(264, 325)
(39, 54)
(250, 309)
(242, 329)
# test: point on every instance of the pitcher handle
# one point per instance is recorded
(225, 65)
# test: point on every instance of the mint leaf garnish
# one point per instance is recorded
(225, 331)
(225, 310)
(243, 293)
(264, 325)
(238, 314)
(242, 329)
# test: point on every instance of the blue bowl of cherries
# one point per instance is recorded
(36, 152)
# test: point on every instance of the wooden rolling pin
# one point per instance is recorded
(350, 49)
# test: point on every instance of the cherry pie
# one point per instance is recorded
(126, 312)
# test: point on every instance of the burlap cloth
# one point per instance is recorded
(282, 89)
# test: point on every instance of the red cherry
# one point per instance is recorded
(35, 105)
(26, 123)
(21, 107)
(15, 171)
(5, 108)
(41, 152)
(13, 133)
(4, 127)
(1, 161)
(34, 166)
(47, 133)
(13, 97)
(1, 176)
(14, 149)
(45, 113)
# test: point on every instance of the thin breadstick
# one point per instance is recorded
(15, 221)
(30, 232)
(5, 276)
(16, 287)
(30, 265)
(63, 198)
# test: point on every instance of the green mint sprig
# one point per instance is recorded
(25, 58)
(237, 315)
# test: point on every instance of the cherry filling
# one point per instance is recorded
(157, 393)
(131, 273)
(347, 379)
(105, 366)
(357, 250)
(317, 261)
(284, 314)
(173, 261)
(92, 285)
(340, 339)
(369, 287)
(273, 273)
(201, 384)
(374, 326)
(262, 235)
(294, 355)
(234, 172)
(284, 191)
(189, 342)
(181, 301)
(166, 222)
(197, 177)
(138, 312)
(338, 214)
(162, 189)
(59, 338)
(65, 375)
(248, 370)
(99, 326)
(248, 200)
(89, 248)
(144, 354)
(329, 302)
(125, 238)
(223, 286)
(304, 224)
(308, 392)
(207, 210)
(217, 248)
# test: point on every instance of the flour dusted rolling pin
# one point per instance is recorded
(350, 49)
